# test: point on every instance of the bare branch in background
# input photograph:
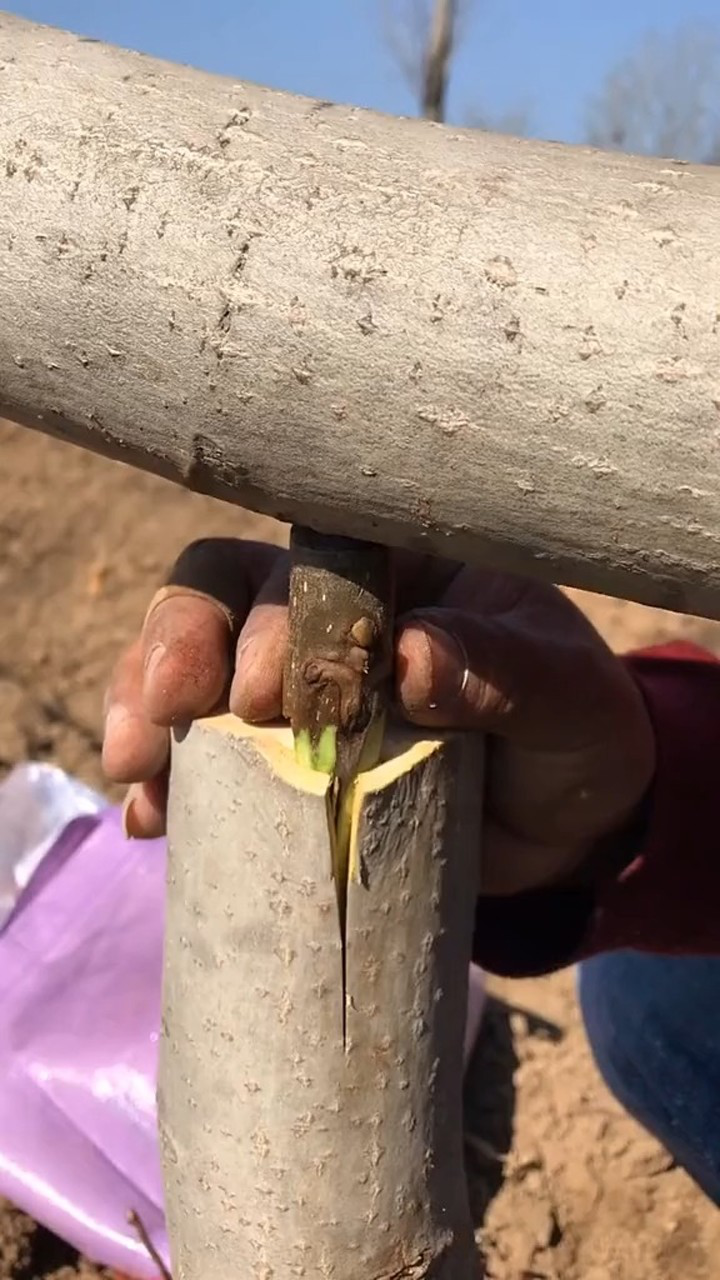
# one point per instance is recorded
(438, 56)
(664, 99)
(422, 36)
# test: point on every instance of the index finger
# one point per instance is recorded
(192, 624)
(179, 668)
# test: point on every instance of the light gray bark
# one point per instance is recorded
(288, 1153)
(501, 350)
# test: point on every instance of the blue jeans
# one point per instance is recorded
(654, 1027)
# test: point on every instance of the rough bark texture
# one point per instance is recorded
(496, 349)
(285, 1153)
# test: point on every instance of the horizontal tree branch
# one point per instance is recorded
(499, 350)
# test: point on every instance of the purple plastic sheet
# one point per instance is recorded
(80, 1008)
(80, 981)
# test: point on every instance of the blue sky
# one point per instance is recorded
(546, 56)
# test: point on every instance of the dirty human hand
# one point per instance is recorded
(570, 746)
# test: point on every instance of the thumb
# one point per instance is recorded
(452, 669)
(461, 670)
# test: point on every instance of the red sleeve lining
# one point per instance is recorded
(668, 898)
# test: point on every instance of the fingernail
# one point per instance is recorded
(245, 647)
(153, 659)
(130, 827)
(116, 718)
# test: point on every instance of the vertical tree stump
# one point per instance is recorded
(291, 1148)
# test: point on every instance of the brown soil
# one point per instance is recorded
(565, 1187)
